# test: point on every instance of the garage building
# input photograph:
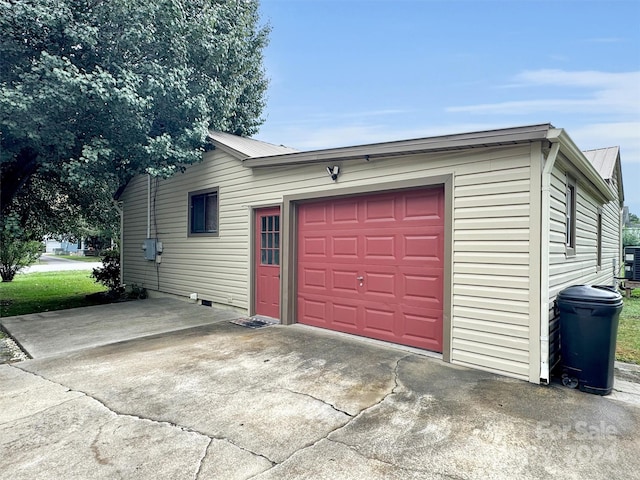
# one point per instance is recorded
(455, 245)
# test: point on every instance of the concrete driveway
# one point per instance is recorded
(211, 399)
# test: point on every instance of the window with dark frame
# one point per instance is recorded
(203, 212)
(570, 226)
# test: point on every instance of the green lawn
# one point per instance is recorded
(628, 348)
(43, 292)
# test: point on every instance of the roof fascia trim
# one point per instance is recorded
(406, 147)
(618, 171)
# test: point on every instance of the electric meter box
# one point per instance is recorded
(149, 249)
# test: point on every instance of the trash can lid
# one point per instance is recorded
(591, 294)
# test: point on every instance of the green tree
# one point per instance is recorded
(630, 237)
(633, 218)
(93, 92)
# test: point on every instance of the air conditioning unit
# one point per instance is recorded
(632, 263)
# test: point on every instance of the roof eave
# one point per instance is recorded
(577, 158)
(462, 141)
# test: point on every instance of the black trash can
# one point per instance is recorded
(588, 330)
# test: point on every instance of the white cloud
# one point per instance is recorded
(602, 92)
(600, 135)
(604, 40)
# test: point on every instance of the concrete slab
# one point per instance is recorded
(222, 401)
(82, 439)
(23, 395)
(52, 333)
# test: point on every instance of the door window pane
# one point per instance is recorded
(270, 240)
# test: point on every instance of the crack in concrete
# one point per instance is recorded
(318, 399)
(244, 449)
(355, 450)
(41, 411)
(201, 462)
(393, 391)
(353, 417)
(373, 457)
(152, 420)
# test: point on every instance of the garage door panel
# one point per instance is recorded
(344, 213)
(312, 311)
(345, 247)
(379, 321)
(394, 242)
(344, 315)
(425, 247)
(315, 246)
(423, 287)
(314, 278)
(423, 331)
(424, 205)
(381, 284)
(379, 247)
(379, 209)
(314, 214)
(345, 281)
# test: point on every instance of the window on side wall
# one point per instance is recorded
(203, 212)
(570, 220)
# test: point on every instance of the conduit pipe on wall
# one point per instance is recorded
(148, 206)
(544, 255)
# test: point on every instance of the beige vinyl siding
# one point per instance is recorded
(490, 321)
(491, 281)
(582, 268)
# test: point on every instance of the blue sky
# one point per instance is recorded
(350, 72)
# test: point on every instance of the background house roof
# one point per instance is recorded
(607, 162)
(604, 160)
(243, 147)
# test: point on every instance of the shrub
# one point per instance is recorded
(109, 273)
(16, 249)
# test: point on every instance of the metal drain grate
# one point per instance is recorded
(251, 322)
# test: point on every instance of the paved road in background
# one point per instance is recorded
(52, 263)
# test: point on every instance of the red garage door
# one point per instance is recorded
(373, 266)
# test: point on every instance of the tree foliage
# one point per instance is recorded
(630, 237)
(93, 92)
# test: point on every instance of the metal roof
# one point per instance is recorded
(243, 147)
(604, 160)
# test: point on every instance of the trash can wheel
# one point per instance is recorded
(568, 381)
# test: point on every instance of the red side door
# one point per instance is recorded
(267, 258)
